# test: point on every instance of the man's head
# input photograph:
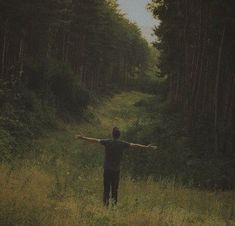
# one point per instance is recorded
(116, 133)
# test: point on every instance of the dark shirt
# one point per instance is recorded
(113, 153)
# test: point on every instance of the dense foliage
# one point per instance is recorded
(53, 52)
(196, 42)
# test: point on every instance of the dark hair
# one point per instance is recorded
(116, 133)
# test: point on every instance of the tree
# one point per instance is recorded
(195, 41)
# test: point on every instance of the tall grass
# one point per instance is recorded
(60, 183)
(28, 198)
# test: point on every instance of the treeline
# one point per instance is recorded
(196, 42)
(53, 52)
(93, 37)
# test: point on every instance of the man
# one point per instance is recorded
(113, 155)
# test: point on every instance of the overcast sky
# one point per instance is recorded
(136, 11)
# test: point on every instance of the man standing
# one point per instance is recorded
(113, 155)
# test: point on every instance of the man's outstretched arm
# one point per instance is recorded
(143, 147)
(88, 139)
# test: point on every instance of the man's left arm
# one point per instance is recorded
(143, 147)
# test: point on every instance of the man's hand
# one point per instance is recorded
(77, 136)
(152, 147)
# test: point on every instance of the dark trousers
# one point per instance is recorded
(111, 181)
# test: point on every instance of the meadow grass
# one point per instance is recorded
(60, 183)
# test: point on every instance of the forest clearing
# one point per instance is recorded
(78, 74)
(63, 185)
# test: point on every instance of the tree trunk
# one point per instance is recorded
(4, 49)
(216, 100)
(21, 56)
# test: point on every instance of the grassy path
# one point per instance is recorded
(62, 184)
(118, 111)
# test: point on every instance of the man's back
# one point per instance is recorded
(113, 153)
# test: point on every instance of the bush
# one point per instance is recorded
(169, 161)
(46, 89)
(69, 93)
(56, 82)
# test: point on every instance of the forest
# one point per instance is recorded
(54, 53)
(81, 66)
(196, 42)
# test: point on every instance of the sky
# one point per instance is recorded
(136, 11)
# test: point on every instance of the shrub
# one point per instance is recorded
(46, 89)
(70, 94)
(56, 82)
